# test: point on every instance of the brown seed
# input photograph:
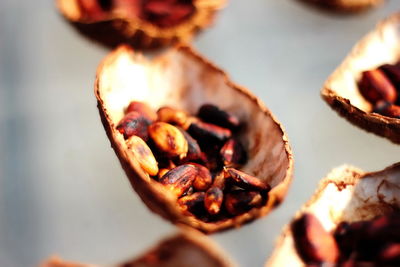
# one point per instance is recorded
(393, 73)
(192, 203)
(220, 181)
(375, 86)
(240, 201)
(390, 111)
(143, 154)
(194, 151)
(142, 108)
(313, 243)
(246, 181)
(133, 123)
(233, 153)
(213, 114)
(166, 13)
(168, 139)
(171, 115)
(162, 172)
(390, 254)
(213, 200)
(179, 179)
(206, 132)
(203, 179)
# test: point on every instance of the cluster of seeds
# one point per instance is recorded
(196, 158)
(162, 13)
(364, 243)
(381, 87)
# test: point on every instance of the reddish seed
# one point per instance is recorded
(203, 177)
(213, 114)
(233, 153)
(179, 179)
(193, 203)
(390, 254)
(171, 115)
(213, 200)
(166, 13)
(207, 132)
(375, 86)
(393, 73)
(134, 124)
(241, 201)
(194, 151)
(142, 108)
(246, 181)
(313, 243)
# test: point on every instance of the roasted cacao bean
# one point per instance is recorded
(390, 254)
(246, 181)
(142, 108)
(133, 123)
(207, 132)
(375, 86)
(179, 179)
(166, 13)
(194, 151)
(213, 200)
(172, 116)
(143, 154)
(233, 153)
(393, 73)
(203, 179)
(213, 114)
(312, 242)
(241, 201)
(168, 139)
(193, 203)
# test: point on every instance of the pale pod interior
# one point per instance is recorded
(182, 80)
(377, 48)
(346, 194)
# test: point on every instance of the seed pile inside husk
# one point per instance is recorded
(381, 87)
(363, 89)
(351, 220)
(374, 242)
(195, 158)
(200, 124)
(144, 24)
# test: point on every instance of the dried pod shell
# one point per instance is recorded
(347, 194)
(183, 79)
(344, 6)
(188, 248)
(341, 92)
(115, 26)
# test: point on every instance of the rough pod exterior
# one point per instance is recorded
(188, 248)
(183, 79)
(344, 6)
(346, 194)
(119, 22)
(341, 92)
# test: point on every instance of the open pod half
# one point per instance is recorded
(344, 6)
(341, 91)
(347, 194)
(183, 79)
(143, 24)
(187, 249)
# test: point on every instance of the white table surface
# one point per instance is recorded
(62, 189)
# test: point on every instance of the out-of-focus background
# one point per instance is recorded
(62, 189)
